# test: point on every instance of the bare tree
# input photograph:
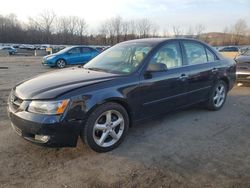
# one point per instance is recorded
(154, 30)
(225, 36)
(177, 31)
(81, 29)
(165, 33)
(144, 27)
(116, 24)
(72, 24)
(239, 30)
(103, 32)
(132, 29)
(190, 32)
(45, 23)
(199, 29)
(63, 30)
(125, 29)
(47, 28)
(111, 32)
(10, 29)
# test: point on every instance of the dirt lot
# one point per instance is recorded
(192, 148)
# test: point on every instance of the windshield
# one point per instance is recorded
(65, 49)
(121, 58)
(246, 52)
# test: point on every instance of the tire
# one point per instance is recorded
(61, 63)
(106, 127)
(217, 96)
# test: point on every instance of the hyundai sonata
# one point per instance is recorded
(129, 82)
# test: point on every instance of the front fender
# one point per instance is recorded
(86, 99)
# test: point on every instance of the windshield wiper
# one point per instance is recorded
(95, 69)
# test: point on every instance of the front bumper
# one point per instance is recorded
(32, 126)
(47, 62)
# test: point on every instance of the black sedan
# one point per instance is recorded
(129, 82)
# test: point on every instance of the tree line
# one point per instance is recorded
(48, 28)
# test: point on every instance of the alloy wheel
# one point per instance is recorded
(61, 63)
(108, 128)
(219, 95)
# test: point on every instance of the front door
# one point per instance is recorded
(74, 56)
(162, 91)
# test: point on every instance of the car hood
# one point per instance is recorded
(54, 83)
(51, 55)
(242, 59)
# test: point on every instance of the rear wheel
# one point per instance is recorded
(106, 127)
(217, 96)
(60, 63)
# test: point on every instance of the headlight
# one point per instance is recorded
(51, 57)
(48, 107)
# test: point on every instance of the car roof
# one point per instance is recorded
(155, 41)
(6, 47)
(80, 46)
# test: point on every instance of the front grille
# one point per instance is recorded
(243, 76)
(18, 131)
(15, 101)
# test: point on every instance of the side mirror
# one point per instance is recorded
(156, 67)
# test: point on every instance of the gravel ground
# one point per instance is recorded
(191, 148)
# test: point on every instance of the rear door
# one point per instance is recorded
(201, 68)
(86, 54)
(163, 91)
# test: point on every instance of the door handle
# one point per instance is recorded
(183, 77)
(214, 70)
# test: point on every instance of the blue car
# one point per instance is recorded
(10, 50)
(70, 56)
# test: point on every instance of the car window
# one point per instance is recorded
(235, 49)
(122, 58)
(246, 52)
(210, 56)
(86, 50)
(75, 51)
(195, 52)
(169, 54)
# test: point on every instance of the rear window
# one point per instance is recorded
(195, 52)
(86, 50)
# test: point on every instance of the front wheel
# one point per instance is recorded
(217, 96)
(61, 63)
(106, 127)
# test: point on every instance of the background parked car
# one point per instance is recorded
(229, 49)
(70, 56)
(10, 49)
(243, 66)
(27, 47)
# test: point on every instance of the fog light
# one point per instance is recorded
(42, 138)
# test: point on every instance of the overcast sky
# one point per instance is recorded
(214, 14)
